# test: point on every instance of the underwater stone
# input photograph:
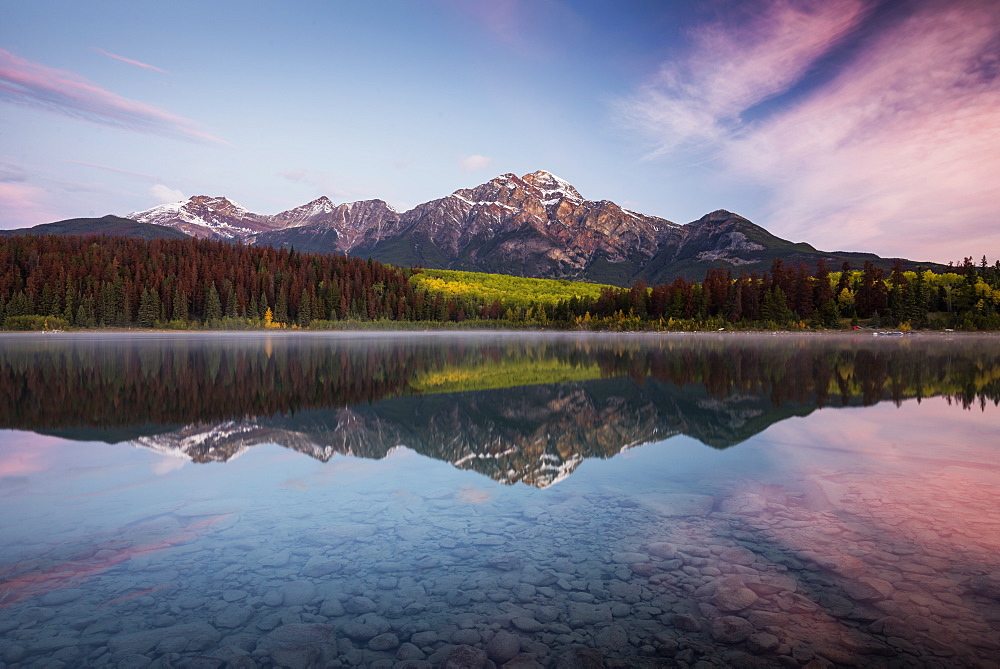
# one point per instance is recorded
(297, 593)
(731, 629)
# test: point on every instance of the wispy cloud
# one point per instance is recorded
(474, 163)
(730, 69)
(123, 59)
(117, 170)
(897, 153)
(30, 84)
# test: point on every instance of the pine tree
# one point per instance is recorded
(232, 307)
(213, 307)
(48, 304)
(85, 317)
(281, 306)
(109, 305)
(305, 309)
(774, 308)
(181, 312)
(263, 306)
(149, 308)
(69, 311)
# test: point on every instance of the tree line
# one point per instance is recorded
(53, 282)
(967, 298)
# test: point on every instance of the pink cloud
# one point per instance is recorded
(123, 59)
(900, 153)
(21, 205)
(30, 84)
(730, 69)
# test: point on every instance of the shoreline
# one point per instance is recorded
(145, 332)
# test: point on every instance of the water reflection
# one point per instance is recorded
(519, 409)
(853, 524)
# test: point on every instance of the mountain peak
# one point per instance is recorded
(552, 185)
(219, 204)
(208, 199)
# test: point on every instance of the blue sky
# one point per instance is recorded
(851, 124)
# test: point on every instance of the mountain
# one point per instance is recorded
(203, 216)
(106, 225)
(537, 225)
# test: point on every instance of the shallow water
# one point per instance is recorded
(348, 500)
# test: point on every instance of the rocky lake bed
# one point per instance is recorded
(758, 575)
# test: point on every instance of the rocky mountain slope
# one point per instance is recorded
(536, 225)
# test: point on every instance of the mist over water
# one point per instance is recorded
(371, 500)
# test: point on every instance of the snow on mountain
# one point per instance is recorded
(553, 188)
(204, 216)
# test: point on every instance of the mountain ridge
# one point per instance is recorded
(535, 225)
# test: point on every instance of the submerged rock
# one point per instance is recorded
(580, 657)
(503, 647)
(299, 644)
(465, 657)
(731, 629)
(297, 593)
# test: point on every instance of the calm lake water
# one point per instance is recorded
(377, 500)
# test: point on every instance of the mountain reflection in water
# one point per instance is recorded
(517, 409)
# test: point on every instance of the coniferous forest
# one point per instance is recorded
(58, 282)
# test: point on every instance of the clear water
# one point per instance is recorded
(562, 500)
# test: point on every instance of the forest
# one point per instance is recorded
(61, 282)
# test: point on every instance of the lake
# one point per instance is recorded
(556, 500)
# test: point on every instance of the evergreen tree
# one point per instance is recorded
(47, 305)
(213, 306)
(305, 309)
(149, 308)
(18, 305)
(181, 312)
(69, 311)
(109, 305)
(85, 316)
(263, 306)
(252, 308)
(774, 308)
(232, 307)
(281, 306)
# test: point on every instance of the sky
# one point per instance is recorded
(858, 125)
